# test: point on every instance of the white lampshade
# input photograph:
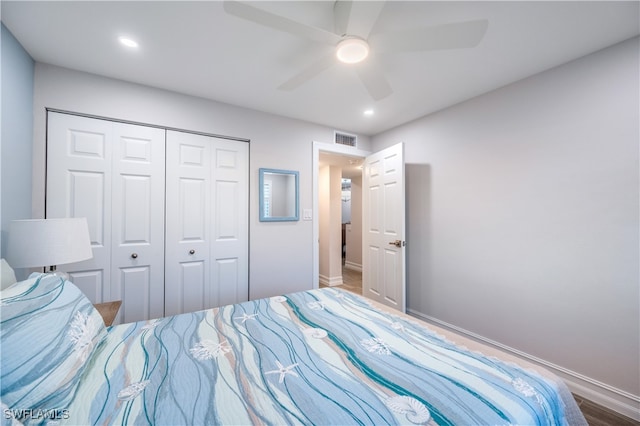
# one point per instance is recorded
(48, 242)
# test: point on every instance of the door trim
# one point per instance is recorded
(315, 164)
(139, 123)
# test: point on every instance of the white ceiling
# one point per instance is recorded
(351, 166)
(197, 49)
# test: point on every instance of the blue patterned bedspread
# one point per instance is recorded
(317, 357)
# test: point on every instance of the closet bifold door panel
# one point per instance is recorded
(79, 175)
(206, 253)
(137, 223)
(188, 207)
(113, 174)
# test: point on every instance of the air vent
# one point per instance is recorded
(342, 138)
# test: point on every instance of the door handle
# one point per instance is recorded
(134, 255)
(192, 251)
(397, 243)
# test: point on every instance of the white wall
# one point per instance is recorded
(280, 252)
(17, 133)
(354, 235)
(330, 225)
(345, 211)
(335, 225)
(523, 221)
(324, 222)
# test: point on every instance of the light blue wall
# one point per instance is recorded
(522, 219)
(17, 133)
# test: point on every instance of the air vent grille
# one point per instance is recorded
(342, 138)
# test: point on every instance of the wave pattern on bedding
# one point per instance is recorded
(317, 357)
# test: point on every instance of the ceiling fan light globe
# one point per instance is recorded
(352, 50)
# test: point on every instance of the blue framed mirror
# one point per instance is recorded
(279, 195)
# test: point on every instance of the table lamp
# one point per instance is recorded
(48, 243)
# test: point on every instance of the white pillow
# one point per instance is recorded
(8, 277)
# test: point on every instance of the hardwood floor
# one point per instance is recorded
(595, 414)
(598, 415)
(351, 280)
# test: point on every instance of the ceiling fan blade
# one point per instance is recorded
(308, 73)
(341, 13)
(456, 35)
(373, 79)
(271, 20)
(363, 16)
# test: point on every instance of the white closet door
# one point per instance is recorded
(112, 174)
(79, 153)
(188, 202)
(206, 255)
(230, 225)
(137, 265)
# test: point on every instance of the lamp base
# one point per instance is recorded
(61, 274)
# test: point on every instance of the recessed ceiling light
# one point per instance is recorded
(368, 112)
(352, 50)
(126, 41)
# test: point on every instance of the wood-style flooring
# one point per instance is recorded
(598, 415)
(595, 414)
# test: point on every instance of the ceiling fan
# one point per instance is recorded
(353, 21)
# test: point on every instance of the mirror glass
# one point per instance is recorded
(278, 195)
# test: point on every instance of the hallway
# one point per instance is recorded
(351, 281)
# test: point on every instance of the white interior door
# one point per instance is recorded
(206, 257)
(383, 257)
(188, 208)
(79, 174)
(230, 225)
(137, 263)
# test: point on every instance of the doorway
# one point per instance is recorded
(337, 236)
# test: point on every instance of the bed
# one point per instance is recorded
(316, 357)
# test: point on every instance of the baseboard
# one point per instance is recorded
(353, 266)
(603, 394)
(330, 281)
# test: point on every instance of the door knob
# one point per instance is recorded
(397, 243)
(192, 251)
(134, 255)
